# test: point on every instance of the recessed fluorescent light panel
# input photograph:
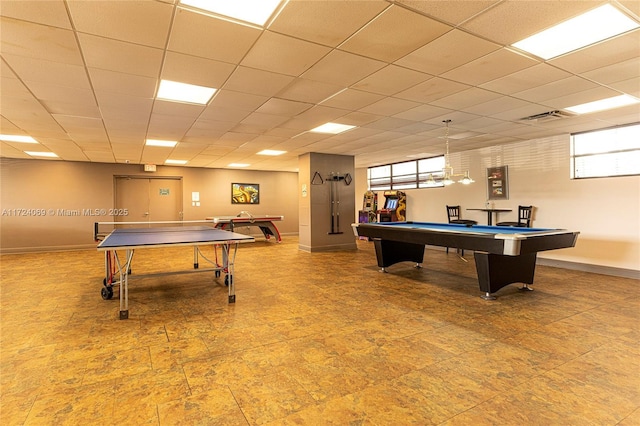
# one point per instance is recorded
(156, 142)
(253, 11)
(182, 92)
(41, 154)
(238, 165)
(596, 25)
(603, 104)
(176, 162)
(271, 152)
(333, 128)
(17, 138)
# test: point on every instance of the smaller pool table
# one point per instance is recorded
(503, 255)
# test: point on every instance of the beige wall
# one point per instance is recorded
(35, 192)
(606, 211)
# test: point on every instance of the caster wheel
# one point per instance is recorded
(228, 279)
(217, 274)
(106, 293)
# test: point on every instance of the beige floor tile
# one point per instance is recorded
(314, 338)
(215, 406)
(270, 397)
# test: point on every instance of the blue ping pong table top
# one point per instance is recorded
(159, 236)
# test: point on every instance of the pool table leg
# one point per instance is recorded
(496, 271)
(391, 252)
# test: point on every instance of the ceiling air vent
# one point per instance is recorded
(547, 116)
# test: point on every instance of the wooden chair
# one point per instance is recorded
(453, 213)
(524, 218)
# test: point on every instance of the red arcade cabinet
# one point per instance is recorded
(395, 207)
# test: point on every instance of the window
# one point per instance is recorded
(431, 168)
(605, 153)
(405, 175)
(380, 178)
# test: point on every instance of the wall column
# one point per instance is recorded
(327, 202)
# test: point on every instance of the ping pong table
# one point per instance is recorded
(264, 222)
(117, 268)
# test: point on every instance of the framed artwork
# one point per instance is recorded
(497, 183)
(245, 193)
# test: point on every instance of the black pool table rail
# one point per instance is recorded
(501, 259)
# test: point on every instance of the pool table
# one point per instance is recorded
(503, 255)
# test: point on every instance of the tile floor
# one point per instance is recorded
(314, 339)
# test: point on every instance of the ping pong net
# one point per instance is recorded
(102, 229)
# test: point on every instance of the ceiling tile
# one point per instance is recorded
(358, 118)
(394, 68)
(310, 91)
(52, 12)
(342, 68)
(489, 67)
(282, 54)
(620, 71)
(126, 84)
(257, 82)
(36, 70)
(314, 117)
(231, 99)
(512, 21)
(391, 80)
(466, 98)
(31, 40)
(432, 90)
(283, 107)
(208, 129)
(327, 23)
(123, 106)
(389, 123)
(70, 108)
(160, 127)
(119, 56)
(528, 78)
(617, 49)
(141, 22)
(631, 86)
(352, 99)
(554, 89)
(49, 92)
(496, 106)
(393, 34)
(219, 113)
(201, 35)
(447, 52)
(178, 109)
(266, 121)
(389, 106)
(70, 121)
(195, 70)
(455, 12)
(582, 97)
(104, 156)
(422, 113)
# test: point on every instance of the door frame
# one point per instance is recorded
(173, 178)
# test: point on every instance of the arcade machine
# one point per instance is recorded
(369, 212)
(395, 207)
